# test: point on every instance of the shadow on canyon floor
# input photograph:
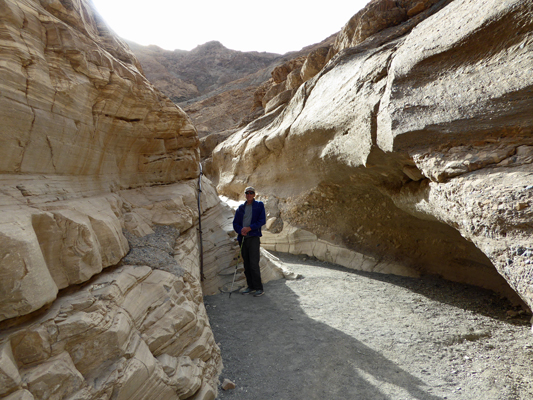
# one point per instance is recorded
(342, 334)
(289, 356)
(467, 297)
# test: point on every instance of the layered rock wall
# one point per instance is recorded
(132, 333)
(74, 102)
(411, 148)
(99, 299)
(144, 316)
(78, 120)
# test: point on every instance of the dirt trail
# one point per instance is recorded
(343, 334)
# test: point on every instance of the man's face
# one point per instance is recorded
(249, 196)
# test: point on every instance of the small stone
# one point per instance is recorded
(520, 206)
(227, 385)
(520, 251)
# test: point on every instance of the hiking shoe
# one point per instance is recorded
(247, 291)
(259, 293)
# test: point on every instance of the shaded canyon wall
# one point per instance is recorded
(410, 151)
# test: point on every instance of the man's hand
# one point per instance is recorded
(245, 230)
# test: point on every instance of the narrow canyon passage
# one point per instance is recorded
(343, 334)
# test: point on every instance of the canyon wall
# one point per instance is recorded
(403, 147)
(410, 152)
(100, 281)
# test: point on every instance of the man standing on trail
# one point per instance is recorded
(248, 220)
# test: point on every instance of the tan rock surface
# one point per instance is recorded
(20, 395)
(413, 149)
(9, 374)
(99, 167)
(314, 63)
(377, 16)
(71, 111)
(78, 119)
(110, 336)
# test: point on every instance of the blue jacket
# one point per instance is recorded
(258, 218)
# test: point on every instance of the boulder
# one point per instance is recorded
(280, 73)
(294, 79)
(227, 385)
(314, 63)
(273, 92)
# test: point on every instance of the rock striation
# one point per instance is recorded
(100, 280)
(79, 123)
(132, 333)
(411, 148)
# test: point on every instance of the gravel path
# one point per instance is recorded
(343, 334)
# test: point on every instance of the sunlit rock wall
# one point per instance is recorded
(98, 190)
(78, 119)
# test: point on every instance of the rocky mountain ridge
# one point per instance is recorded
(203, 70)
(219, 88)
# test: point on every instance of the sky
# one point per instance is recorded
(275, 26)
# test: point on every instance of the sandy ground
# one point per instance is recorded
(343, 334)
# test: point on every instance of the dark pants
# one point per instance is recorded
(250, 255)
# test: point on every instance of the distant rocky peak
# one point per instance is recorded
(209, 46)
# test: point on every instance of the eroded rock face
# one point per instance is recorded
(156, 229)
(98, 170)
(411, 148)
(78, 119)
(377, 16)
(133, 332)
(77, 103)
